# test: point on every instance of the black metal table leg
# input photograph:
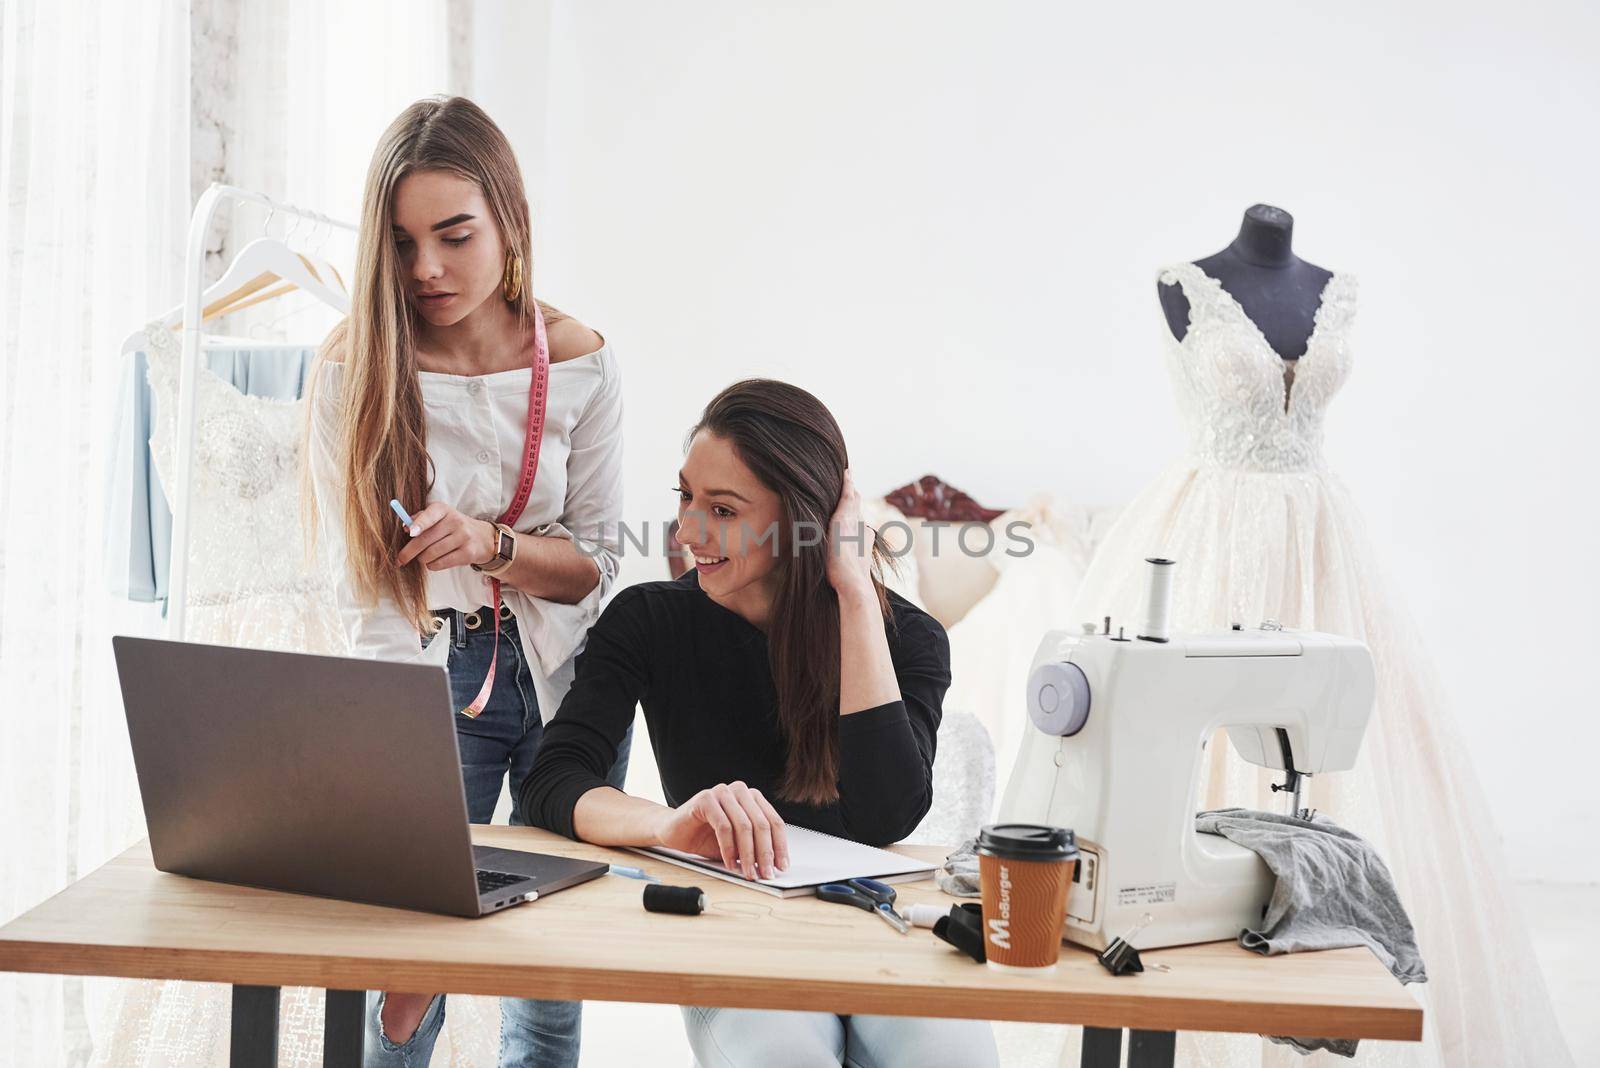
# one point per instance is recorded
(1102, 1047)
(344, 1028)
(254, 1042)
(1152, 1049)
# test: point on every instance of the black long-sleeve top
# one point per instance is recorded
(702, 674)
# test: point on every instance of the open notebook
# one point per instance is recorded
(814, 858)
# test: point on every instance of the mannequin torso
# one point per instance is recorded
(1278, 290)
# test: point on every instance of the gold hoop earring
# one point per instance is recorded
(512, 285)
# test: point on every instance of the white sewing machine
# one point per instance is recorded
(1119, 726)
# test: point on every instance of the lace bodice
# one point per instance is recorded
(249, 581)
(1243, 405)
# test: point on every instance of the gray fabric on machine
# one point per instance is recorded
(1333, 891)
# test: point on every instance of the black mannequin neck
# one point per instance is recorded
(1266, 237)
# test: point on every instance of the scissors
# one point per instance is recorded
(867, 894)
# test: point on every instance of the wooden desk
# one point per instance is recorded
(596, 942)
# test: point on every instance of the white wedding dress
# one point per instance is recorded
(249, 585)
(1261, 529)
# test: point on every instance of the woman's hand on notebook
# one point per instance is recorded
(732, 823)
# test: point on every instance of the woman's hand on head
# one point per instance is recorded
(442, 537)
(730, 822)
(849, 544)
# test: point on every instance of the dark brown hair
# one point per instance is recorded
(792, 443)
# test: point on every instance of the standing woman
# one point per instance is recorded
(432, 393)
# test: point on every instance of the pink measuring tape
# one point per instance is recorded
(530, 467)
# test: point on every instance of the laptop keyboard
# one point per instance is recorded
(490, 881)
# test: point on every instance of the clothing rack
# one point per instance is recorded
(205, 208)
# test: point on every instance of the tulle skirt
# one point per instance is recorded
(1253, 546)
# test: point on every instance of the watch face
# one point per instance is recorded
(506, 545)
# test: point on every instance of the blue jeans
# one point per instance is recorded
(502, 741)
(736, 1038)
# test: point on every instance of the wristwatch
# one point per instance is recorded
(505, 551)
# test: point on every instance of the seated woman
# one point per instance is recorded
(781, 684)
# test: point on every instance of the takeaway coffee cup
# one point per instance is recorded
(1025, 870)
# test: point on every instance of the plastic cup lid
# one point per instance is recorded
(1027, 841)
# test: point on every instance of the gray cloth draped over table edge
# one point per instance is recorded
(1333, 891)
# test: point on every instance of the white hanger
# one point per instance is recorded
(249, 280)
(320, 266)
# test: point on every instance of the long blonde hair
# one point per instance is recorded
(382, 429)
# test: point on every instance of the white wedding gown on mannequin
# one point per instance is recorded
(1260, 529)
(249, 585)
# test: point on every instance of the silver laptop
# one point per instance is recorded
(320, 775)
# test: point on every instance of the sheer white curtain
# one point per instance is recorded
(95, 166)
(315, 84)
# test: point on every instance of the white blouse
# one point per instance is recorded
(475, 431)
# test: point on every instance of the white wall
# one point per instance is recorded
(946, 221)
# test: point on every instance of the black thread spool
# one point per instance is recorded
(681, 900)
